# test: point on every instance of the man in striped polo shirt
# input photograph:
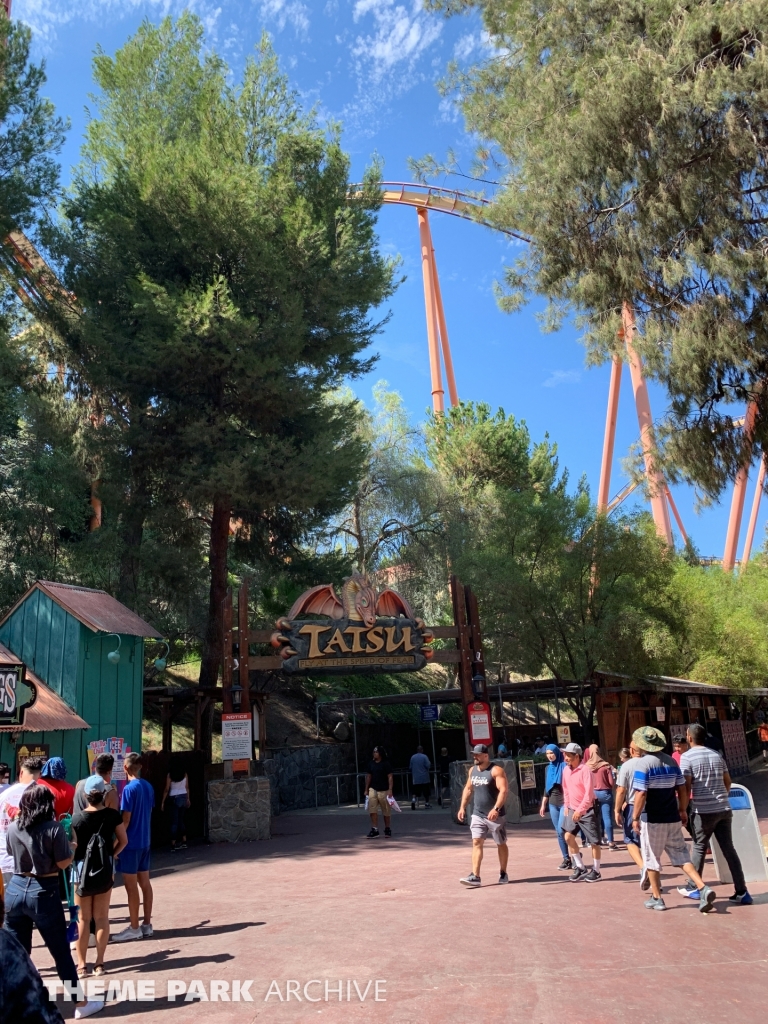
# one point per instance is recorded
(708, 783)
(661, 799)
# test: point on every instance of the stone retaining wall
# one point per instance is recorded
(238, 809)
(459, 771)
(292, 776)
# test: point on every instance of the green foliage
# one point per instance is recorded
(725, 640)
(634, 145)
(225, 286)
(396, 504)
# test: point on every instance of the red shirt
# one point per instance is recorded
(63, 795)
(676, 755)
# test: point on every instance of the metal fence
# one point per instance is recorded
(344, 781)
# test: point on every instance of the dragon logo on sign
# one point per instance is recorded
(361, 631)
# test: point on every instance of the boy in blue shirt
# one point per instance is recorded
(137, 802)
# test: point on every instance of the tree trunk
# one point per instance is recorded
(131, 535)
(217, 551)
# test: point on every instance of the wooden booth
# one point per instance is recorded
(624, 704)
(78, 657)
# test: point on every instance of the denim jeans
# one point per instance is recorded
(178, 809)
(702, 828)
(604, 798)
(556, 814)
(36, 901)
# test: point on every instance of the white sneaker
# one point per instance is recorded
(147, 930)
(88, 1010)
(127, 935)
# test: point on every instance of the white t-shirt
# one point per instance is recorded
(9, 808)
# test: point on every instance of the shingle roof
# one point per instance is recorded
(96, 609)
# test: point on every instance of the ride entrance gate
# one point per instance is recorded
(360, 632)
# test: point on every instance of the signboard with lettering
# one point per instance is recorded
(16, 694)
(527, 774)
(563, 735)
(118, 748)
(363, 631)
(31, 750)
(429, 712)
(479, 723)
(236, 737)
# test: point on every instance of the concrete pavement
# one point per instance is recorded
(321, 904)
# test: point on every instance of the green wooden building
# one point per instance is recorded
(63, 635)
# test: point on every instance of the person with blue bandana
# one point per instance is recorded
(553, 799)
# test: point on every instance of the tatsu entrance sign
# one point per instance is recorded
(357, 631)
(361, 631)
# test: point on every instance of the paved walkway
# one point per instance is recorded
(319, 903)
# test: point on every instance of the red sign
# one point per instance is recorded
(479, 723)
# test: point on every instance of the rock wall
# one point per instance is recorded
(459, 772)
(238, 809)
(292, 774)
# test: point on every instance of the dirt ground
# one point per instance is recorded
(313, 916)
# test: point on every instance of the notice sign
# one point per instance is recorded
(563, 735)
(236, 736)
(429, 712)
(479, 723)
(527, 774)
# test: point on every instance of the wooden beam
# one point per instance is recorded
(446, 657)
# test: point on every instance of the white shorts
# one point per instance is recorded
(659, 837)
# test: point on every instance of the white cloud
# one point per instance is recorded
(399, 37)
(472, 43)
(45, 17)
(286, 12)
(388, 55)
(562, 377)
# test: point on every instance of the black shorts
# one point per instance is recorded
(587, 823)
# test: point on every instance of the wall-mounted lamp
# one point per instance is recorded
(114, 656)
(237, 695)
(162, 661)
(478, 684)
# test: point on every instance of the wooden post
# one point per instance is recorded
(198, 741)
(476, 642)
(166, 719)
(463, 647)
(243, 647)
(226, 668)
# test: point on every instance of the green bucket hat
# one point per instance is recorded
(650, 739)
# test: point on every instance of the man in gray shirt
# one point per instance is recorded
(625, 797)
(420, 766)
(706, 776)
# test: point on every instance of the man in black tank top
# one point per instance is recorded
(487, 783)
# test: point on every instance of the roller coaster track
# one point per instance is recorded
(37, 286)
(441, 200)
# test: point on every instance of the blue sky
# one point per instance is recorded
(373, 65)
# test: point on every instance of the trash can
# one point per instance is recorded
(746, 839)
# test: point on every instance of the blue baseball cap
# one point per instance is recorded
(94, 784)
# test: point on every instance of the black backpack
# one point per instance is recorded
(96, 873)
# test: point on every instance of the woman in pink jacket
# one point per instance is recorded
(579, 807)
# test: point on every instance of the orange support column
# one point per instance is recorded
(438, 395)
(443, 327)
(656, 483)
(753, 517)
(603, 492)
(676, 514)
(737, 501)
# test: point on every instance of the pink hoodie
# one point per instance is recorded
(578, 790)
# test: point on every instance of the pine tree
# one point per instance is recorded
(225, 285)
(633, 141)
